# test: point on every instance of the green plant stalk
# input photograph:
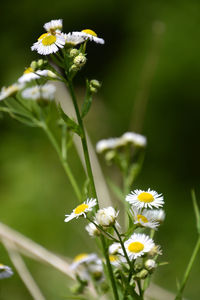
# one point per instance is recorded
(188, 270)
(84, 141)
(63, 161)
(91, 178)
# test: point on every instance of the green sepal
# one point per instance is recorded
(87, 101)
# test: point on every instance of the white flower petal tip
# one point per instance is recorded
(144, 218)
(10, 91)
(53, 25)
(81, 210)
(137, 245)
(134, 138)
(44, 92)
(88, 34)
(145, 199)
(5, 271)
(49, 43)
(30, 75)
(83, 258)
(92, 230)
(72, 39)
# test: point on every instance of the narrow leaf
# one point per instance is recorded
(71, 124)
(196, 210)
(87, 101)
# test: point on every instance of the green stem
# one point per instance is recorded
(103, 231)
(92, 184)
(188, 270)
(63, 161)
(110, 270)
(84, 141)
(123, 248)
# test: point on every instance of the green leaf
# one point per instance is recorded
(87, 101)
(196, 210)
(71, 124)
(116, 190)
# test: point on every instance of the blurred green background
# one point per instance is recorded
(151, 56)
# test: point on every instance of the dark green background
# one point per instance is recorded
(34, 192)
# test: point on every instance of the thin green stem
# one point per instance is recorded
(92, 184)
(103, 231)
(110, 270)
(84, 141)
(63, 161)
(188, 270)
(123, 248)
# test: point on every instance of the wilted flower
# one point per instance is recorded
(53, 25)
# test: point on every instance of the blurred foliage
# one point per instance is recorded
(35, 194)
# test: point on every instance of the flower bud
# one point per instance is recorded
(33, 65)
(106, 217)
(95, 83)
(138, 264)
(142, 274)
(150, 264)
(92, 230)
(40, 62)
(93, 89)
(80, 60)
(73, 52)
(74, 68)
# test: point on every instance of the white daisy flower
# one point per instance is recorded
(30, 74)
(145, 199)
(89, 34)
(158, 215)
(49, 43)
(72, 39)
(54, 25)
(106, 216)
(115, 260)
(137, 245)
(5, 271)
(114, 248)
(10, 91)
(83, 258)
(82, 209)
(108, 144)
(144, 218)
(92, 230)
(45, 92)
(135, 138)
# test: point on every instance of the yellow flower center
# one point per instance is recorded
(80, 257)
(89, 31)
(142, 218)
(43, 35)
(28, 70)
(113, 258)
(47, 39)
(135, 247)
(145, 197)
(80, 208)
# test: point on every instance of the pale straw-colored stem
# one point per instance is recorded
(23, 271)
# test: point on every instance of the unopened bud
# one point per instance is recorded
(106, 217)
(40, 62)
(142, 274)
(150, 264)
(95, 83)
(73, 52)
(74, 68)
(80, 60)
(138, 264)
(33, 65)
(110, 155)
